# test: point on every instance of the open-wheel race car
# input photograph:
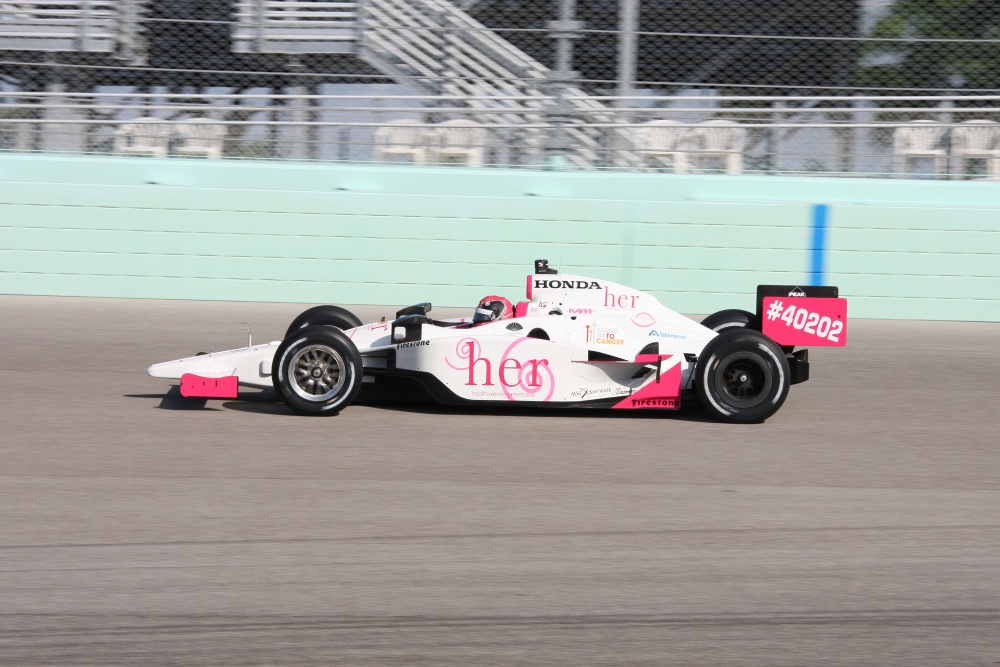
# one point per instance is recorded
(573, 342)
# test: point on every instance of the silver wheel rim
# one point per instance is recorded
(317, 373)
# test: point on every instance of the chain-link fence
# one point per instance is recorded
(875, 87)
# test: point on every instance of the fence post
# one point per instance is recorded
(948, 118)
(258, 25)
(845, 139)
(359, 26)
(86, 10)
(778, 118)
(126, 46)
(559, 113)
(299, 112)
(64, 136)
(628, 23)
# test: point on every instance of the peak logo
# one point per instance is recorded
(566, 284)
(798, 291)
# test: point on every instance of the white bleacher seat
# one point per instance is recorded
(722, 139)
(406, 137)
(659, 139)
(919, 139)
(201, 137)
(144, 136)
(460, 141)
(976, 140)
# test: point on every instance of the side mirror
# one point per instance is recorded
(399, 333)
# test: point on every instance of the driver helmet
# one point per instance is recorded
(493, 308)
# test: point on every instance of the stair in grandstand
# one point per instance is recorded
(430, 41)
(434, 46)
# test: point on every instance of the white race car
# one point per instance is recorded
(573, 342)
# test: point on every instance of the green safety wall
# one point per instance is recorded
(313, 233)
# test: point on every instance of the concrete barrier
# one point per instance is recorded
(314, 233)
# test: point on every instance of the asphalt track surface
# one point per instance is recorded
(858, 526)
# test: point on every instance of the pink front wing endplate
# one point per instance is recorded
(196, 386)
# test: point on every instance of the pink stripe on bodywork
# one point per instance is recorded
(650, 358)
(196, 386)
(662, 395)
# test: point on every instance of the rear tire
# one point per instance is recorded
(725, 320)
(317, 371)
(333, 316)
(742, 376)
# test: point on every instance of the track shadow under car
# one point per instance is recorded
(266, 402)
(172, 400)
(693, 412)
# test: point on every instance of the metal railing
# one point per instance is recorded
(821, 88)
(835, 135)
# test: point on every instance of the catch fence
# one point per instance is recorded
(876, 87)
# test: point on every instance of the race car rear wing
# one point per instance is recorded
(817, 291)
(812, 316)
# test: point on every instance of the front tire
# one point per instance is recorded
(742, 376)
(317, 371)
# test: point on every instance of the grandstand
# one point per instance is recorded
(314, 79)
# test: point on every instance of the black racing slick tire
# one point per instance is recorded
(317, 371)
(333, 316)
(725, 320)
(742, 376)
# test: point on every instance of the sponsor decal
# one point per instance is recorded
(518, 378)
(581, 311)
(514, 326)
(379, 327)
(596, 393)
(485, 393)
(416, 343)
(807, 321)
(798, 291)
(663, 393)
(612, 300)
(643, 320)
(663, 334)
(566, 284)
(671, 403)
(603, 335)
(499, 395)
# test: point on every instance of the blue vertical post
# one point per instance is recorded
(821, 213)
